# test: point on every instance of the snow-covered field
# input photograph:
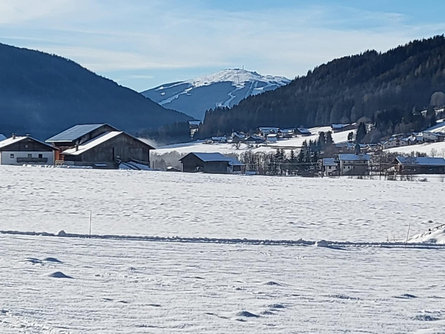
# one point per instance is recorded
(223, 275)
(430, 149)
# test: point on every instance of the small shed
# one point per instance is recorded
(19, 150)
(216, 163)
(419, 165)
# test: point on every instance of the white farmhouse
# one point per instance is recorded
(19, 150)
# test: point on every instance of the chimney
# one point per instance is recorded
(77, 147)
(13, 136)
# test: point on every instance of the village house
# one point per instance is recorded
(99, 146)
(353, 164)
(271, 138)
(266, 130)
(254, 140)
(303, 131)
(339, 127)
(19, 150)
(419, 165)
(329, 167)
(215, 163)
(287, 133)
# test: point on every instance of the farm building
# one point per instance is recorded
(419, 165)
(353, 164)
(99, 146)
(19, 150)
(211, 163)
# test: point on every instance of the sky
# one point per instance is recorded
(141, 44)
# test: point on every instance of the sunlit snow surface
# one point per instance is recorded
(62, 284)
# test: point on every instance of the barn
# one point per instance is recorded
(419, 165)
(99, 146)
(19, 150)
(215, 163)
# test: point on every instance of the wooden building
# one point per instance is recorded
(77, 135)
(215, 163)
(419, 165)
(99, 146)
(19, 150)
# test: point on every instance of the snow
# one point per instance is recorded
(239, 77)
(432, 149)
(92, 143)
(201, 253)
(434, 235)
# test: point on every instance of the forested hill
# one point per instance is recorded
(43, 94)
(385, 87)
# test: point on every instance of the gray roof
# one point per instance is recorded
(421, 161)
(15, 139)
(73, 133)
(215, 157)
(354, 157)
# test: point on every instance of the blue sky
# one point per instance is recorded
(141, 44)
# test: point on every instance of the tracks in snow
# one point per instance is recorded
(339, 245)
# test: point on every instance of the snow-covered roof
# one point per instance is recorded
(74, 133)
(215, 157)
(421, 161)
(15, 139)
(304, 131)
(437, 128)
(353, 157)
(92, 143)
(329, 162)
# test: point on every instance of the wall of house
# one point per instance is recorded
(191, 164)
(354, 167)
(216, 167)
(407, 169)
(27, 157)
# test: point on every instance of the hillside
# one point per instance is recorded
(387, 88)
(223, 89)
(43, 94)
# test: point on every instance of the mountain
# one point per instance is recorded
(43, 94)
(385, 88)
(223, 89)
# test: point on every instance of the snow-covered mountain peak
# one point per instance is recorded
(222, 89)
(238, 77)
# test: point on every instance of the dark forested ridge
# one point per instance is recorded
(43, 94)
(387, 88)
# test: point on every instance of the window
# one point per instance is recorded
(40, 155)
(29, 155)
(11, 155)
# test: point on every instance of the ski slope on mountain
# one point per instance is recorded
(223, 89)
